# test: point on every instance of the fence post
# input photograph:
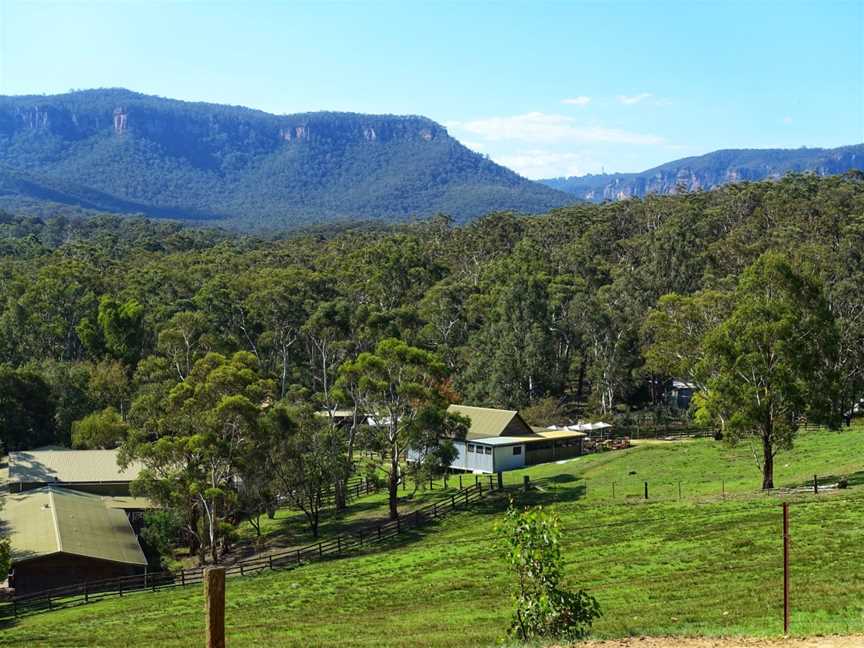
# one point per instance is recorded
(270, 562)
(86, 593)
(613, 489)
(398, 525)
(452, 501)
(298, 556)
(241, 569)
(476, 479)
(460, 481)
(417, 518)
(785, 568)
(490, 482)
(379, 531)
(500, 479)
(339, 544)
(183, 577)
(723, 487)
(679, 491)
(646, 490)
(214, 606)
(526, 483)
(815, 485)
(480, 487)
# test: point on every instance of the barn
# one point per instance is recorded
(60, 537)
(499, 440)
(89, 471)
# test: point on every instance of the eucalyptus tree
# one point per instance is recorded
(771, 361)
(397, 385)
(193, 442)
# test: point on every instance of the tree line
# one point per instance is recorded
(210, 357)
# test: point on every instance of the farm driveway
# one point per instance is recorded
(856, 641)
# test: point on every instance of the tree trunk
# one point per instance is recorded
(767, 462)
(342, 484)
(339, 495)
(393, 487)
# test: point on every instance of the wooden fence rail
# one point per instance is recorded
(92, 591)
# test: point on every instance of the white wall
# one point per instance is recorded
(478, 460)
(506, 460)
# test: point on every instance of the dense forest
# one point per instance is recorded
(120, 151)
(172, 341)
(519, 309)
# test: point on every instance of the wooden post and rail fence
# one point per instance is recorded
(84, 593)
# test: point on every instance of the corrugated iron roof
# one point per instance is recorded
(487, 422)
(561, 434)
(69, 466)
(52, 520)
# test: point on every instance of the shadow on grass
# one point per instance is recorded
(853, 479)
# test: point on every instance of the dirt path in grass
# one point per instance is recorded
(856, 641)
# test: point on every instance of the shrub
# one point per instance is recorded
(531, 539)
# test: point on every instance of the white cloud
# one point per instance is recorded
(539, 163)
(539, 127)
(629, 100)
(577, 101)
(787, 120)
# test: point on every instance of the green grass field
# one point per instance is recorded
(702, 565)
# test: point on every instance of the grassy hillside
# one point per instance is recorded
(703, 565)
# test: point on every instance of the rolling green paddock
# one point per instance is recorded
(705, 565)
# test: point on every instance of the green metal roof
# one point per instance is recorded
(68, 466)
(53, 520)
(487, 422)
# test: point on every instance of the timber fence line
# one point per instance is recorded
(83, 593)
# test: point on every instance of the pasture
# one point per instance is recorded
(705, 565)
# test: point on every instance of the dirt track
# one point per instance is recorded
(856, 641)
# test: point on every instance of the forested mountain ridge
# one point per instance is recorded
(522, 310)
(712, 170)
(119, 151)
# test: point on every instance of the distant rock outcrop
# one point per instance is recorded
(712, 170)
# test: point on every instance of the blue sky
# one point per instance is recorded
(547, 88)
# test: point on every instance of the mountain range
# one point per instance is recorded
(712, 170)
(120, 151)
(113, 150)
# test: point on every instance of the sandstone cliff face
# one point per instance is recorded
(74, 119)
(711, 171)
(121, 151)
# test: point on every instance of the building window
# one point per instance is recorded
(488, 450)
(517, 450)
(470, 447)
